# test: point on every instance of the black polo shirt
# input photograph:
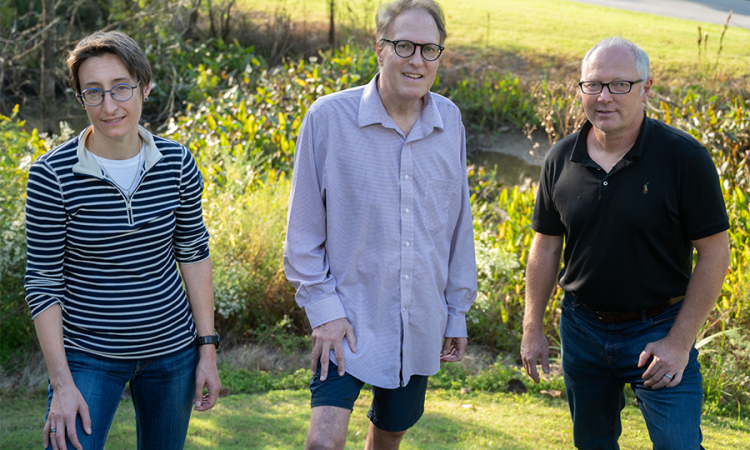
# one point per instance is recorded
(628, 232)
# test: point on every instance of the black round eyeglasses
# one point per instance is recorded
(405, 49)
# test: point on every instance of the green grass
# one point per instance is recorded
(279, 419)
(553, 30)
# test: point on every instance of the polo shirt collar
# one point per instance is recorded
(580, 153)
(88, 165)
(371, 111)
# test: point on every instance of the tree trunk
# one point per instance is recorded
(191, 31)
(47, 92)
(225, 28)
(212, 27)
(332, 27)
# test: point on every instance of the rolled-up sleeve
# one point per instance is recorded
(461, 288)
(305, 257)
(45, 240)
(190, 236)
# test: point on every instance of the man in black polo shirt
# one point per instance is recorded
(630, 197)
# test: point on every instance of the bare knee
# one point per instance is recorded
(317, 442)
(381, 439)
(328, 426)
(322, 439)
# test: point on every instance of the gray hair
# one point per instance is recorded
(388, 12)
(641, 58)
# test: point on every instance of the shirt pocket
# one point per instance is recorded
(438, 194)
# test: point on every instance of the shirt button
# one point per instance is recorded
(605, 183)
(406, 277)
(406, 177)
(406, 210)
(407, 243)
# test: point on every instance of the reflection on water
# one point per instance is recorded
(510, 170)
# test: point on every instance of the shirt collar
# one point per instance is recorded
(580, 150)
(372, 111)
(88, 165)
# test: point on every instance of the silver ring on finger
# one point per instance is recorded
(668, 376)
(52, 430)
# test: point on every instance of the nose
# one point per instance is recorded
(416, 58)
(109, 104)
(605, 95)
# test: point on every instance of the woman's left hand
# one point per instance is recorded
(206, 376)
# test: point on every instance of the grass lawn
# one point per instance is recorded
(278, 420)
(552, 30)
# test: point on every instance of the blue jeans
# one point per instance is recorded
(599, 358)
(162, 388)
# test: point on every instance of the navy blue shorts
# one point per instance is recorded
(392, 410)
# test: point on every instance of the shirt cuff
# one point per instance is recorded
(324, 311)
(456, 326)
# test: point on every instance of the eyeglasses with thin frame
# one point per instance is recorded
(614, 87)
(121, 92)
(405, 49)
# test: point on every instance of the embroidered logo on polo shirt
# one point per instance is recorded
(645, 188)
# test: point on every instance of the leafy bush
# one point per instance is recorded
(243, 381)
(490, 100)
(20, 148)
(247, 230)
(257, 116)
(494, 378)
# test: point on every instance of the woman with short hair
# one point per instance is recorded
(110, 215)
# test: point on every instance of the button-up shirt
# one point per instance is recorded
(380, 231)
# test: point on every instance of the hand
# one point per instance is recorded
(669, 358)
(67, 403)
(206, 375)
(330, 335)
(534, 347)
(453, 349)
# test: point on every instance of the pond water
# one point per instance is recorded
(510, 171)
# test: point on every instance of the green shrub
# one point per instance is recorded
(20, 148)
(243, 381)
(255, 117)
(494, 378)
(490, 100)
(248, 227)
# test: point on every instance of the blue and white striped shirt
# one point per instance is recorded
(380, 231)
(109, 261)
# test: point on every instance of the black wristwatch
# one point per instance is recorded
(205, 340)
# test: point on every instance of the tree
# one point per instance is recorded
(47, 82)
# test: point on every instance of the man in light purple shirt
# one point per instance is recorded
(380, 243)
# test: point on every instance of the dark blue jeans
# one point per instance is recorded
(599, 358)
(162, 389)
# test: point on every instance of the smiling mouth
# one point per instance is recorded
(115, 120)
(413, 76)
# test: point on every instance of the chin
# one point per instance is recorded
(414, 94)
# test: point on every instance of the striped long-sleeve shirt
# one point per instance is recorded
(109, 261)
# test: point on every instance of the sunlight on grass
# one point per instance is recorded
(553, 28)
(279, 420)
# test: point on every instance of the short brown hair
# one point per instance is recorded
(116, 43)
(388, 12)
